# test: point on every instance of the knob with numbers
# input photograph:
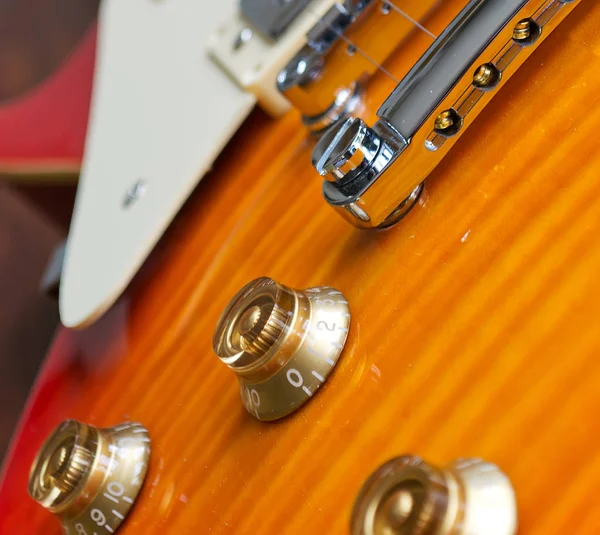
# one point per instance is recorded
(90, 477)
(408, 496)
(281, 343)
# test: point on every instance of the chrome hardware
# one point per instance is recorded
(89, 477)
(305, 75)
(445, 62)
(281, 343)
(300, 71)
(347, 100)
(272, 18)
(278, 29)
(242, 38)
(350, 156)
(329, 29)
(428, 110)
(408, 496)
(343, 51)
(351, 148)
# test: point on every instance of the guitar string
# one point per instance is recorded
(352, 47)
(403, 13)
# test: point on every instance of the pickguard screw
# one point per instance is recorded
(242, 38)
(137, 190)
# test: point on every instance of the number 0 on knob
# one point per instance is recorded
(281, 343)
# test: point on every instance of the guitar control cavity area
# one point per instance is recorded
(437, 100)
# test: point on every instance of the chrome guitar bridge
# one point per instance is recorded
(374, 174)
(326, 78)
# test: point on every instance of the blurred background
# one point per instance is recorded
(41, 123)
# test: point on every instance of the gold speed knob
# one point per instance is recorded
(281, 343)
(90, 477)
(407, 496)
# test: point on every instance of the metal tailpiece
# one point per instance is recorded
(430, 108)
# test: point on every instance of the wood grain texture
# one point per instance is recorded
(474, 325)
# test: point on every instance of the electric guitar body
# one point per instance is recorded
(473, 325)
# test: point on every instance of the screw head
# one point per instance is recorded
(487, 76)
(134, 192)
(526, 32)
(448, 122)
(242, 38)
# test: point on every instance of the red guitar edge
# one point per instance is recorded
(43, 131)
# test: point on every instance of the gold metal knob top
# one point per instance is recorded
(281, 343)
(90, 477)
(407, 496)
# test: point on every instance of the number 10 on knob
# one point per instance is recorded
(281, 343)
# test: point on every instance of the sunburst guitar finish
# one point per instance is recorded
(473, 327)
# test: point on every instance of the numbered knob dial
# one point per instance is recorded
(408, 496)
(281, 343)
(90, 477)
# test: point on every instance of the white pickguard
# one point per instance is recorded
(256, 65)
(161, 112)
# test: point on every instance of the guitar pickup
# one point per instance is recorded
(346, 46)
(374, 174)
(270, 18)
